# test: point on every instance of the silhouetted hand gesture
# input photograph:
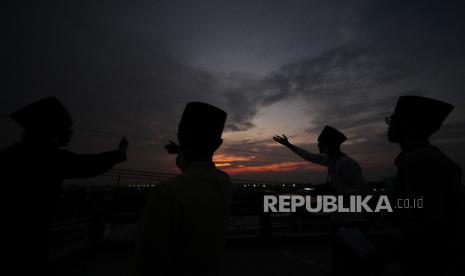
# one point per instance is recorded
(282, 140)
(123, 146)
(172, 148)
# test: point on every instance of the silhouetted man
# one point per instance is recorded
(344, 173)
(430, 234)
(32, 172)
(345, 178)
(183, 228)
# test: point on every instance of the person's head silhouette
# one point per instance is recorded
(45, 120)
(330, 140)
(200, 130)
(416, 118)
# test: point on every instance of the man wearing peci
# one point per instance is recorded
(184, 224)
(32, 172)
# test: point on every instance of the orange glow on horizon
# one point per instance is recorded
(227, 158)
(275, 167)
(222, 164)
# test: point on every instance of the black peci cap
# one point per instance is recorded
(47, 113)
(423, 110)
(331, 135)
(202, 120)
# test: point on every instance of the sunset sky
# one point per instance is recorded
(129, 68)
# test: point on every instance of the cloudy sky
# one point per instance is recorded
(129, 68)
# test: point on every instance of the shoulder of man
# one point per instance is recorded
(13, 149)
(162, 192)
(8, 151)
(348, 161)
(223, 174)
(65, 152)
(17, 152)
(9, 157)
(423, 155)
(215, 172)
(186, 179)
(165, 186)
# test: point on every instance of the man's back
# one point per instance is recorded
(346, 176)
(185, 222)
(205, 196)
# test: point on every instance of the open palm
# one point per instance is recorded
(282, 140)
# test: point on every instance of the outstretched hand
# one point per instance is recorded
(282, 140)
(172, 148)
(123, 146)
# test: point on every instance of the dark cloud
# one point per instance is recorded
(395, 48)
(341, 83)
(112, 70)
(129, 68)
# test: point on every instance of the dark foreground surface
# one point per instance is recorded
(282, 244)
(279, 256)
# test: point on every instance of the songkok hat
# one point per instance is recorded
(45, 114)
(201, 121)
(423, 110)
(330, 135)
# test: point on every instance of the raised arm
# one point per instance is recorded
(89, 165)
(320, 159)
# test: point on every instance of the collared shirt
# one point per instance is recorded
(183, 228)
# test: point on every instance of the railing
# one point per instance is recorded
(125, 184)
(123, 181)
(70, 236)
(156, 177)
